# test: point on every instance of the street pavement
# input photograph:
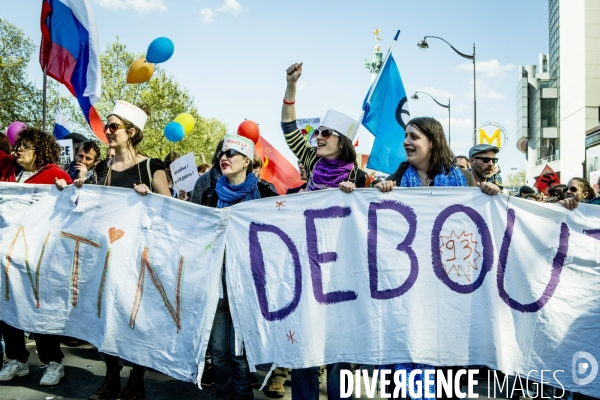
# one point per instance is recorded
(84, 372)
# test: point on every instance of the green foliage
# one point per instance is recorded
(516, 179)
(166, 99)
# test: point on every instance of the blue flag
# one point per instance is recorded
(386, 116)
(61, 124)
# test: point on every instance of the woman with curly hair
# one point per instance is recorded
(33, 162)
(35, 155)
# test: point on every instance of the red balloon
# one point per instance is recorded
(250, 130)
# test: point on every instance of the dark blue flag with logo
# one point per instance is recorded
(385, 116)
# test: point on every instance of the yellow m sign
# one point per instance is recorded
(488, 139)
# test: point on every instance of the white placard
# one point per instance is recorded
(184, 172)
(67, 151)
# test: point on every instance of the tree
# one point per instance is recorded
(166, 99)
(21, 100)
(516, 179)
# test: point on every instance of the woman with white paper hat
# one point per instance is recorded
(127, 169)
(232, 376)
(330, 161)
(329, 157)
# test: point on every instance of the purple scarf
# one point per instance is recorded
(329, 174)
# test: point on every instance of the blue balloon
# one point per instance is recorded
(174, 132)
(160, 50)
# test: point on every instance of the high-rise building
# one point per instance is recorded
(558, 100)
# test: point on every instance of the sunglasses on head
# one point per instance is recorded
(487, 159)
(325, 133)
(229, 153)
(113, 127)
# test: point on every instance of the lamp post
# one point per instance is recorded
(424, 45)
(415, 97)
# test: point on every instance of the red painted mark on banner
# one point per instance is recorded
(175, 312)
(115, 234)
(35, 286)
(280, 204)
(75, 266)
(459, 255)
(290, 337)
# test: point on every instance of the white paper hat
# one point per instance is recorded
(340, 122)
(239, 143)
(133, 114)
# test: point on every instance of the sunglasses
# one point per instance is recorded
(229, 153)
(573, 189)
(24, 148)
(325, 133)
(487, 159)
(113, 127)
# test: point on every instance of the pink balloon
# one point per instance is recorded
(13, 131)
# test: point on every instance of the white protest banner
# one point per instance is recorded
(184, 172)
(137, 276)
(440, 276)
(67, 152)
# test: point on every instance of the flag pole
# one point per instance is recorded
(374, 85)
(44, 103)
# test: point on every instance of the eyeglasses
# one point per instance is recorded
(573, 189)
(113, 127)
(487, 159)
(325, 133)
(24, 148)
(229, 153)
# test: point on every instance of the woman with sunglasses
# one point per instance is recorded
(578, 190)
(127, 169)
(329, 158)
(232, 376)
(35, 155)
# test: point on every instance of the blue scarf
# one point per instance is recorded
(230, 194)
(454, 178)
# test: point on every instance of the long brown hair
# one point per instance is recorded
(441, 157)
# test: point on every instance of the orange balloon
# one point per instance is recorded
(250, 130)
(140, 71)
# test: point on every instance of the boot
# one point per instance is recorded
(134, 389)
(110, 388)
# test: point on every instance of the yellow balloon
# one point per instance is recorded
(187, 121)
(140, 71)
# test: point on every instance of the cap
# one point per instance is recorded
(133, 114)
(239, 143)
(526, 190)
(482, 148)
(76, 137)
(341, 123)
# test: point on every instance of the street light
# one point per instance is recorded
(415, 97)
(424, 45)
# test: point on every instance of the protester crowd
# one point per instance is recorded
(327, 160)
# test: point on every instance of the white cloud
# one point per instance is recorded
(230, 6)
(439, 94)
(301, 85)
(138, 5)
(207, 15)
(491, 68)
(484, 91)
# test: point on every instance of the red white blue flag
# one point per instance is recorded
(70, 53)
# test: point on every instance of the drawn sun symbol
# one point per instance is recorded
(459, 255)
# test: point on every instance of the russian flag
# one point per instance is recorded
(70, 53)
(61, 125)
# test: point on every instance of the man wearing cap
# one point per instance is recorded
(483, 161)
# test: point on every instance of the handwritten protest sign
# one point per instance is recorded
(67, 152)
(184, 172)
(437, 276)
(136, 276)
(442, 276)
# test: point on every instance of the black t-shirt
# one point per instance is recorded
(137, 173)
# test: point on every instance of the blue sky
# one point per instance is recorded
(232, 55)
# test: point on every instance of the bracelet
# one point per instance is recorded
(289, 103)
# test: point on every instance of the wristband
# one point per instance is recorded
(289, 103)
